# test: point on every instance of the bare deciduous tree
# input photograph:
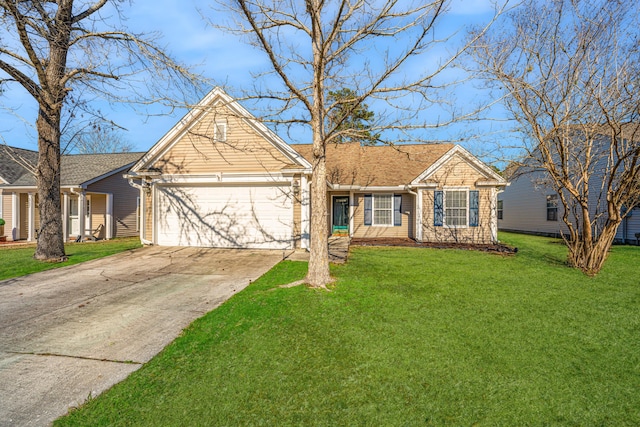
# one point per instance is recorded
(380, 50)
(53, 47)
(569, 73)
(100, 138)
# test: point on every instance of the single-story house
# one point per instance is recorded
(221, 178)
(96, 200)
(427, 192)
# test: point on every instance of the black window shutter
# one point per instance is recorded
(397, 209)
(474, 208)
(438, 209)
(367, 209)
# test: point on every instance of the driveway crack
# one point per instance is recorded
(97, 359)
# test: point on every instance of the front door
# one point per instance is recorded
(340, 222)
(74, 219)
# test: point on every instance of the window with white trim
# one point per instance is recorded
(500, 204)
(455, 208)
(382, 209)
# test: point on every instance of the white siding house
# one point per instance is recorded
(530, 205)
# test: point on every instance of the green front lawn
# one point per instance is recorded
(18, 260)
(407, 337)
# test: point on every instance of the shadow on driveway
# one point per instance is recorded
(70, 333)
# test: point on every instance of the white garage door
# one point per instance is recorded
(225, 216)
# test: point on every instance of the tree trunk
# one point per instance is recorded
(50, 240)
(588, 255)
(50, 245)
(318, 275)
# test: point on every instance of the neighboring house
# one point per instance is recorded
(220, 178)
(96, 200)
(529, 205)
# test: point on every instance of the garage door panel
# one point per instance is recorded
(238, 216)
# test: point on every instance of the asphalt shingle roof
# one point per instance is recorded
(80, 168)
(16, 162)
(75, 169)
(378, 165)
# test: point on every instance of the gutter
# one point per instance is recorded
(365, 188)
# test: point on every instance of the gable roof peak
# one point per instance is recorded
(197, 112)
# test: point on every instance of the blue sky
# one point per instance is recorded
(220, 57)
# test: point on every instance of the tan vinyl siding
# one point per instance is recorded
(124, 203)
(365, 231)
(148, 216)
(457, 173)
(6, 213)
(243, 151)
(297, 220)
(467, 234)
(37, 211)
(98, 214)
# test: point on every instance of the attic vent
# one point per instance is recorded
(220, 131)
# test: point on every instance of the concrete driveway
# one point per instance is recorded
(71, 333)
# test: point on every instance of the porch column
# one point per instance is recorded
(82, 201)
(419, 215)
(31, 217)
(304, 212)
(15, 216)
(351, 212)
(65, 216)
(494, 216)
(109, 217)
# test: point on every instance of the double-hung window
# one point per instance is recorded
(383, 209)
(500, 204)
(456, 208)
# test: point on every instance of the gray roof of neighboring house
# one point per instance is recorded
(75, 169)
(16, 162)
(80, 168)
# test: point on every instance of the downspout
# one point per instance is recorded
(143, 223)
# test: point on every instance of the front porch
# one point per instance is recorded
(84, 215)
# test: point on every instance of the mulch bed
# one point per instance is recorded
(497, 248)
